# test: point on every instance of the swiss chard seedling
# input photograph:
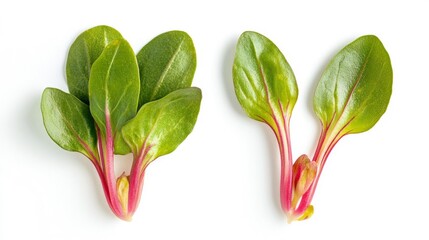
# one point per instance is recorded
(352, 95)
(121, 103)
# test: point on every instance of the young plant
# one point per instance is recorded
(352, 95)
(122, 103)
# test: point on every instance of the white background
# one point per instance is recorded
(222, 182)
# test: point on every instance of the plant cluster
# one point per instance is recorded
(121, 103)
(352, 95)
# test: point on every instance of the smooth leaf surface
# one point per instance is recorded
(166, 63)
(355, 88)
(114, 90)
(68, 121)
(264, 82)
(160, 126)
(87, 47)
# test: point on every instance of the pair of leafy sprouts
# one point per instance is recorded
(120, 103)
(352, 95)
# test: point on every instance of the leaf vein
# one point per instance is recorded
(164, 72)
(362, 70)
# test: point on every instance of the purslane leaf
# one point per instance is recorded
(87, 47)
(114, 90)
(160, 126)
(68, 122)
(166, 63)
(355, 88)
(264, 82)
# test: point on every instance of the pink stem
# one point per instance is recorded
(104, 184)
(136, 180)
(320, 157)
(285, 160)
(286, 187)
(284, 145)
(286, 169)
(136, 186)
(96, 162)
(285, 163)
(109, 173)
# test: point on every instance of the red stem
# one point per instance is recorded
(284, 145)
(110, 169)
(104, 184)
(95, 161)
(286, 169)
(106, 170)
(320, 157)
(136, 180)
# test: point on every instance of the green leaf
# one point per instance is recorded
(264, 82)
(82, 54)
(114, 90)
(355, 88)
(166, 63)
(68, 122)
(160, 126)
